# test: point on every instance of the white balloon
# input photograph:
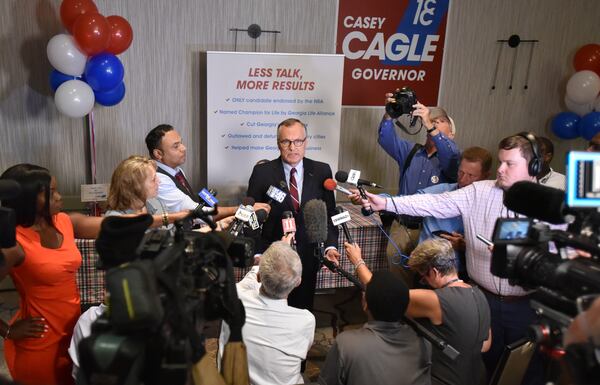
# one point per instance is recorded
(597, 104)
(579, 109)
(74, 98)
(65, 56)
(583, 87)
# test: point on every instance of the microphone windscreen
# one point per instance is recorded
(339, 210)
(315, 220)
(341, 176)
(283, 185)
(9, 189)
(536, 201)
(248, 201)
(287, 214)
(329, 184)
(261, 215)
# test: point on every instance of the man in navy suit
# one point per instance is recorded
(304, 178)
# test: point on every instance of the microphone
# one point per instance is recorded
(9, 189)
(315, 223)
(331, 185)
(537, 201)
(275, 194)
(342, 176)
(208, 198)
(340, 219)
(288, 223)
(242, 216)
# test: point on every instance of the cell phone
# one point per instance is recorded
(437, 233)
(485, 240)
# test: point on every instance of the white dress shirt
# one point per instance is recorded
(277, 336)
(172, 197)
(83, 329)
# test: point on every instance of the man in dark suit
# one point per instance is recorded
(304, 178)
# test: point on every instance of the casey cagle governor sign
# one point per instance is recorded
(388, 44)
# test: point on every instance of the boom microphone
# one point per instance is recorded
(331, 185)
(315, 220)
(537, 201)
(342, 176)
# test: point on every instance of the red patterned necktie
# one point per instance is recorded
(294, 190)
(182, 181)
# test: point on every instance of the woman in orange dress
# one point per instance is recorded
(42, 265)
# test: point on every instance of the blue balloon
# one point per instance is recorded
(564, 125)
(111, 97)
(104, 72)
(589, 125)
(57, 78)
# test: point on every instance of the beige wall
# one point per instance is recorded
(163, 84)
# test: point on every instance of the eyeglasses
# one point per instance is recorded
(297, 142)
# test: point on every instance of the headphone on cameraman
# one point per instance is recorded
(535, 164)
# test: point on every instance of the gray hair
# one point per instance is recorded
(280, 270)
(433, 253)
(290, 122)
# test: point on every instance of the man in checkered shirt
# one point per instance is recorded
(480, 205)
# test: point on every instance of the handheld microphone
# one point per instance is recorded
(341, 219)
(331, 185)
(537, 201)
(9, 189)
(208, 198)
(315, 220)
(275, 194)
(288, 223)
(342, 176)
(242, 216)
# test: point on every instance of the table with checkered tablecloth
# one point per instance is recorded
(367, 233)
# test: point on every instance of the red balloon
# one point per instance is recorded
(92, 33)
(121, 34)
(588, 58)
(70, 10)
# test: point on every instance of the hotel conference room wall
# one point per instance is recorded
(162, 75)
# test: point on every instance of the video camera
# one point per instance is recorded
(405, 98)
(549, 261)
(158, 300)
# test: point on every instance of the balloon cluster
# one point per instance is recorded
(582, 98)
(87, 69)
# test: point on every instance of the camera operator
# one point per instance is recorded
(480, 205)
(457, 312)
(420, 167)
(277, 336)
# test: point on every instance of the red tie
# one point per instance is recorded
(294, 190)
(182, 181)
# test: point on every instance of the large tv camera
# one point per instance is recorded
(160, 292)
(560, 264)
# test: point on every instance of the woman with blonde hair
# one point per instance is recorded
(133, 190)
